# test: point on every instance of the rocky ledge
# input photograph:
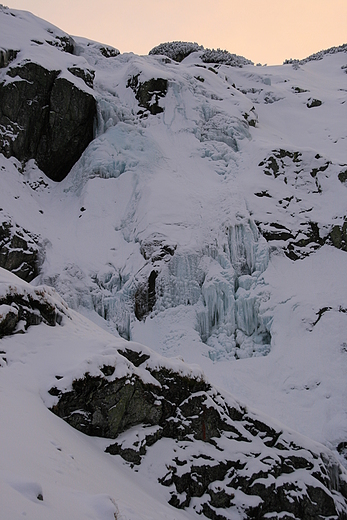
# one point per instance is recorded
(209, 453)
(22, 305)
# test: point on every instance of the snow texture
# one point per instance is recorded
(214, 231)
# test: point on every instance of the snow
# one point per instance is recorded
(40, 42)
(184, 180)
(43, 456)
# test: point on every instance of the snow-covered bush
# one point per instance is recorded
(179, 50)
(176, 50)
(318, 55)
(224, 57)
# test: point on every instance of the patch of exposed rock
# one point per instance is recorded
(148, 93)
(45, 117)
(22, 305)
(290, 221)
(210, 453)
(20, 251)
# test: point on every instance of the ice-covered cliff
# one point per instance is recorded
(205, 212)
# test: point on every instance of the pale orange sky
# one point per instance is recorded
(265, 31)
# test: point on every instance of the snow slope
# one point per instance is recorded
(192, 182)
(48, 469)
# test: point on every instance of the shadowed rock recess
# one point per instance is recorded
(45, 117)
(214, 456)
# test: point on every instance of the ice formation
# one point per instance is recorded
(206, 219)
(223, 284)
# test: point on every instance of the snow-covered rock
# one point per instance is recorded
(216, 457)
(205, 452)
(47, 106)
(206, 218)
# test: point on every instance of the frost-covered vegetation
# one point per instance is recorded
(224, 57)
(317, 55)
(178, 51)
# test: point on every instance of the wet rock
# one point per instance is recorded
(145, 297)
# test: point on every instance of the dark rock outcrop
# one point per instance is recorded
(218, 455)
(154, 251)
(145, 297)
(6, 56)
(338, 236)
(20, 308)
(149, 93)
(45, 117)
(311, 103)
(293, 228)
(108, 52)
(343, 177)
(20, 251)
(86, 74)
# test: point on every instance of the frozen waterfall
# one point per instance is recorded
(222, 283)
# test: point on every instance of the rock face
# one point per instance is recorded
(302, 181)
(45, 117)
(22, 306)
(20, 251)
(214, 456)
(149, 93)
